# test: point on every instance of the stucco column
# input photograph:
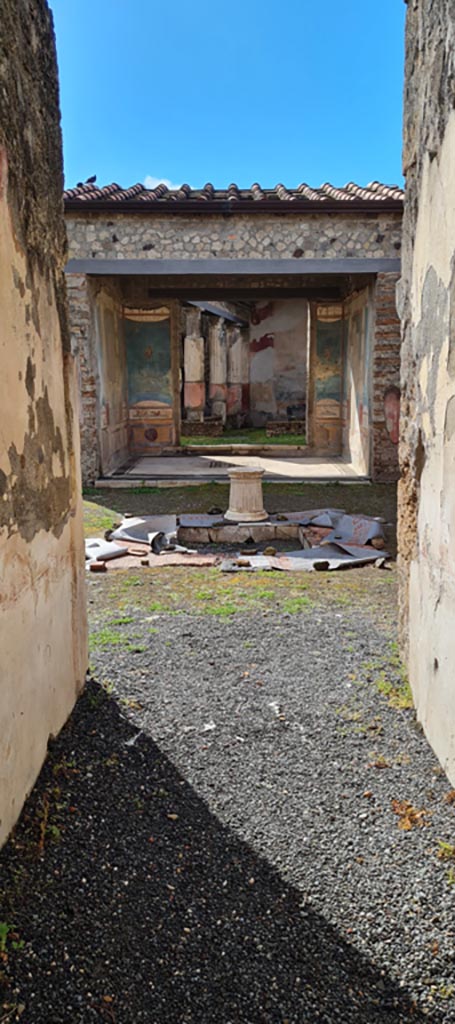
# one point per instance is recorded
(193, 367)
(237, 370)
(218, 368)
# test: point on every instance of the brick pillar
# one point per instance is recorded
(83, 348)
(218, 367)
(385, 379)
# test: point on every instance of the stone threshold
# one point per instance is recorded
(129, 482)
(245, 449)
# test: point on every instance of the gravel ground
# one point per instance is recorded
(214, 836)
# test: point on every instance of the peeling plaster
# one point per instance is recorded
(42, 571)
(33, 496)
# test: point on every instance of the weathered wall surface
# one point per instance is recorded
(42, 599)
(278, 355)
(112, 382)
(81, 301)
(359, 313)
(385, 382)
(326, 378)
(238, 236)
(427, 301)
(372, 380)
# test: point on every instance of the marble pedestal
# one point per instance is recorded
(246, 504)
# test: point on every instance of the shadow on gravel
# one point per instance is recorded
(135, 904)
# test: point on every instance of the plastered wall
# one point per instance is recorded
(42, 573)
(427, 443)
(278, 355)
(111, 381)
(359, 313)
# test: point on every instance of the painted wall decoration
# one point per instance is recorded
(328, 376)
(148, 356)
(112, 356)
(112, 391)
(278, 353)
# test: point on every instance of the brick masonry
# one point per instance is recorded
(82, 344)
(386, 374)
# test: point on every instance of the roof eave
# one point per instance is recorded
(231, 207)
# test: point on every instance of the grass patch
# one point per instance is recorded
(249, 436)
(168, 591)
(98, 519)
(398, 694)
(446, 851)
(108, 637)
(294, 605)
(389, 677)
(223, 611)
(128, 581)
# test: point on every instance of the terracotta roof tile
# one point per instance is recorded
(375, 194)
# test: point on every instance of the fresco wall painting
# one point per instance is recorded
(278, 352)
(328, 341)
(113, 405)
(149, 374)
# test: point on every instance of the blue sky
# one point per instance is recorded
(241, 91)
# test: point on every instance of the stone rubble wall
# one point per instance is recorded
(210, 427)
(276, 428)
(42, 565)
(236, 236)
(427, 306)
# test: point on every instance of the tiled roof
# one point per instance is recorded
(375, 195)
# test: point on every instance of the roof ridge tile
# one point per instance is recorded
(375, 193)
